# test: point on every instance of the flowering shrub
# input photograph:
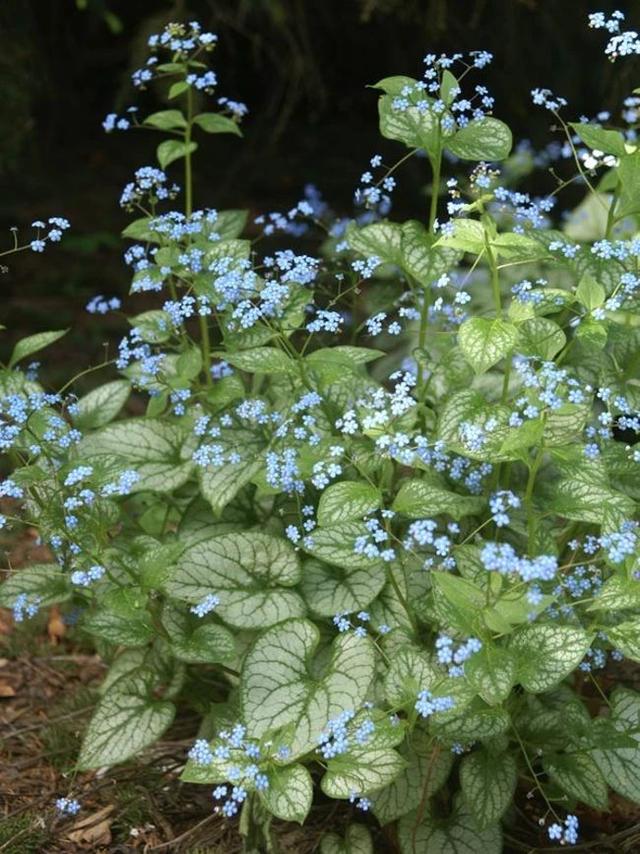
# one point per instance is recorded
(376, 524)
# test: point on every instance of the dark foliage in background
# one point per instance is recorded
(302, 67)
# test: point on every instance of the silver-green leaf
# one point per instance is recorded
(278, 689)
(252, 574)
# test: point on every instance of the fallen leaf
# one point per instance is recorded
(56, 627)
(93, 830)
(6, 622)
(6, 690)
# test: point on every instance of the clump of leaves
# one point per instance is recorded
(377, 502)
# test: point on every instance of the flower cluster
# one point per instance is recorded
(427, 705)
(206, 606)
(25, 606)
(621, 43)
(502, 558)
(455, 657)
(566, 833)
(50, 231)
(383, 522)
(149, 186)
(67, 806)
(344, 732)
(241, 758)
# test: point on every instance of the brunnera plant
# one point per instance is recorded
(376, 525)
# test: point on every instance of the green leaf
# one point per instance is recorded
(427, 769)
(629, 179)
(584, 493)
(217, 123)
(414, 127)
(151, 446)
(101, 405)
(458, 601)
(564, 424)
(329, 590)
(579, 776)
(167, 120)
(133, 629)
(277, 689)
(197, 643)
(420, 258)
(482, 139)
(352, 358)
(587, 223)
(485, 342)
(492, 672)
(420, 498)
(458, 834)
(540, 337)
(547, 653)
(139, 230)
(127, 663)
(44, 581)
(250, 572)
(449, 88)
(33, 343)
(220, 485)
(592, 333)
(347, 501)
(488, 783)
(380, 239)
(469, 405)
(626, 637)
(468, 236)
(125, 722)
(154, 326)
(188, 365)
(394, 84)
(178, 88)
(520, 440)
(476, 721)
(173, 149)
(155, 561)
(289, 794)
(230, 224)
(362, 770)
(596, 137)
(261, 360)
(621, 767)
(512, 608)
(357, 840)
(590, 293)
(519, 248)
(410, 671)
(617, 594)
(335, 545)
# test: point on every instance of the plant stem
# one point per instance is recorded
(188, 206)
(188, 177)
(610, 214)
(528, 496)
(403, 599)
(436, 166)
(495, 279)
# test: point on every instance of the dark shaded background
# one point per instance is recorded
(302, 67)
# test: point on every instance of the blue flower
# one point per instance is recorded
(208, 604)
